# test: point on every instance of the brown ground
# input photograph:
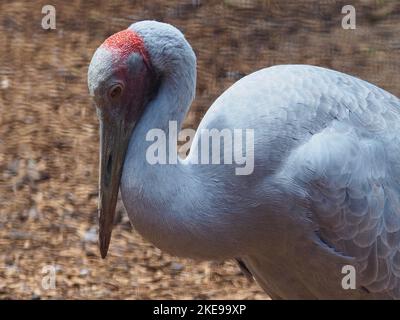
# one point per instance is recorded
(49, 137)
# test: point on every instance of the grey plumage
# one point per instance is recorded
(325, 188)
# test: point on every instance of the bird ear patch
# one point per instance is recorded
(124, 43)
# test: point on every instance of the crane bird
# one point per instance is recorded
(321, 202)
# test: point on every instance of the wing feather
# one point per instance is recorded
(354, 192)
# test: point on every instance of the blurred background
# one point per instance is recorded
(49, 129)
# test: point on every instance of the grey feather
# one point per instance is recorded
(325, 188)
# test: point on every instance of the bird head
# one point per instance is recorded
(121, 81)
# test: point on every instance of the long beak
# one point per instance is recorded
(114, 139)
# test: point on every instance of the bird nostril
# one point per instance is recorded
(107, 176)
(109, 164)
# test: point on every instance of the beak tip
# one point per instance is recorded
(103, 254)
(104, 243)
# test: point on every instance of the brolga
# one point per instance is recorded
(319, 215)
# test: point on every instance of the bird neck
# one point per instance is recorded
(167, 202)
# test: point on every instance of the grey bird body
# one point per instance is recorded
(324, 193)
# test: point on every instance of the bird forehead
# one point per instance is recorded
(124, 43)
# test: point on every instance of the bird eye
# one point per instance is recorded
(115, 91)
